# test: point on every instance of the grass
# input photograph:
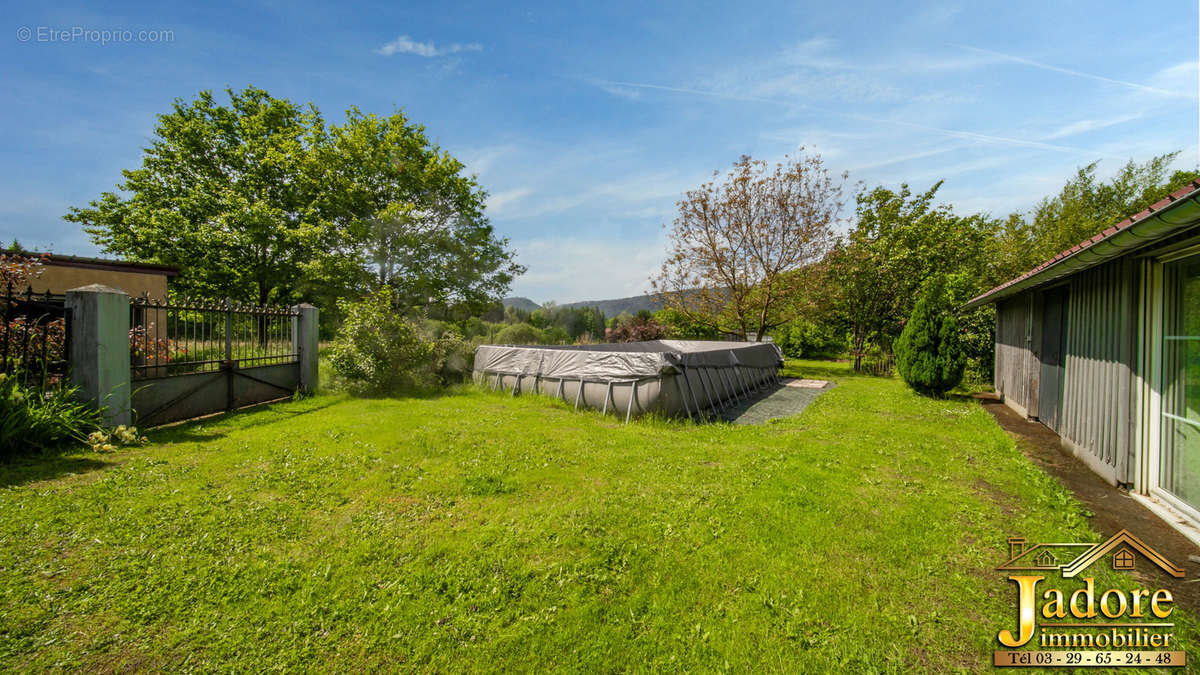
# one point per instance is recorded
(477, 532)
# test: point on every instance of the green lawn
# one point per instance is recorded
(475, 531)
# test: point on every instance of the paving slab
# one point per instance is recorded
(790, 397)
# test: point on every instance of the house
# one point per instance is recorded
(60, 273)
(1102, 345)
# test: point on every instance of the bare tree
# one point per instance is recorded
(736, 239)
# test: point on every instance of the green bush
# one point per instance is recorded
(381, 351)
(929, 353)
(681, 327)
(520, 334)
(809, 339)
(474, 327)
(34, 420)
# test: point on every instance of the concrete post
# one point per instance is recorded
(100, 349)
(304, 343)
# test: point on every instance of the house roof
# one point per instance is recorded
(59, 260)
(1179, 210)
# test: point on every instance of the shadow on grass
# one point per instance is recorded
(46, 465)
(203, 429)
(423, 393)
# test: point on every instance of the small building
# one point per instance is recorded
(1102, 345)
(60, 273)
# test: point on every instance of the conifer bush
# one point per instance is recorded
(929, 353)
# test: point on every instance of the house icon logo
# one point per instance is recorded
(1122, 551)
(1068, 617)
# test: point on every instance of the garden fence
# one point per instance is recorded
(35, 336)
(197, 336)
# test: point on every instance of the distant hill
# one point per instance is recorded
(630, 305)
(611, 308)
(521, 303)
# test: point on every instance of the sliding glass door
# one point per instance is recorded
(1179, 459)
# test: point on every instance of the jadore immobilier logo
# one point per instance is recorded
(1063, 619)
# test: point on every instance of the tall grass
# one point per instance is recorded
(33, 419)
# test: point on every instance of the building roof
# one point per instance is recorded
(1179, 210)
(59, 260)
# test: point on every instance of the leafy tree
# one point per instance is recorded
(1084, 206)
(425, 235)
(226, 194)
(929, 354)
(899, 241)
(260, 200)
(735, 238)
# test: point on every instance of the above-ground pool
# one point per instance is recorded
(669, 377)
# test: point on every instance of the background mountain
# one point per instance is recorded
(611, 308)
(630, 305)
(521, 303)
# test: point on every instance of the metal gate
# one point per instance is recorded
(193, 358)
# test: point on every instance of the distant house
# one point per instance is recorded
(1102, 345)
(60, 273)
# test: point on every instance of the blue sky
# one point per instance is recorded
(587, 122)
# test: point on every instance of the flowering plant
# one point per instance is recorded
(107, 441)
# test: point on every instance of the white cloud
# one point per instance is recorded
(1075, 73)
(890, 159)
(480, 161)
(575, 269)
(620, 91)
(1084, 126)
(406, 45)
(993, 139)
(1179, 78)
(496, 202)
(642, 190)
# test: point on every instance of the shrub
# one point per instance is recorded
(382, 351)
(929, 353)
(520, 334)
(680, 326)
(31, 419)
(638, 328)
(474, 327)
(810, 339)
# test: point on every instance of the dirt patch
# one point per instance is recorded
(1005, 501)
(1112, 509)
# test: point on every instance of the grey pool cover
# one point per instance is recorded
(669, 377)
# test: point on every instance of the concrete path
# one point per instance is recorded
(789, 398)
(1112, 509)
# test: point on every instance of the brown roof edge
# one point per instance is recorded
(1191, 190)
(60, 260)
